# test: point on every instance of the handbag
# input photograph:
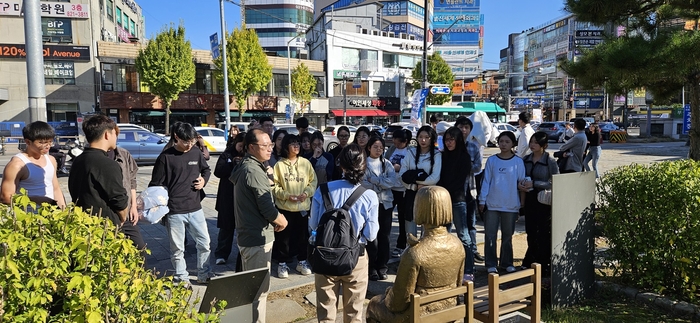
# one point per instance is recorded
(545, 196)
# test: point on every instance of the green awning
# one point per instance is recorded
(255, 114)
(450, 109)
(487, 107)
(149, 113)
(189, 113)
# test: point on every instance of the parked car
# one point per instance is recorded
(553, 129)
(330, 133)
(214, 138)
(328, 140)
(606, 127)
(131, 126)
(389, 132)
(501, 127)
(144, 146)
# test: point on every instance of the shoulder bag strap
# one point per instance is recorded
(354, 197)
(326, 197)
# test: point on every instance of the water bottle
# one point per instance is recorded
(312, 238)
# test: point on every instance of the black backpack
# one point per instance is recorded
(337, 247)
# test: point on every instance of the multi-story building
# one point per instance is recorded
(457, 28)
(70, 31)
(124, 97)
(371, 66)
(279, 24)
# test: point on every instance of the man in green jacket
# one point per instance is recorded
(257, 217)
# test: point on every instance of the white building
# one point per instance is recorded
(373, 66)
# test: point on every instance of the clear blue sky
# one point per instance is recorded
(201, 19)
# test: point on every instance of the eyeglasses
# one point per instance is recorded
(189, 142)
(448, 139)
(343, 136)
(294, 144)
(268, 146)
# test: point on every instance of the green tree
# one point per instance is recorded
(439, 72)
(656, 52)
(248, 69)
(166, 66)
(303, 87)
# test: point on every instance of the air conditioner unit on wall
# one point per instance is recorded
(403, 35)
(375, 32)
(411, 37)
(392, 34)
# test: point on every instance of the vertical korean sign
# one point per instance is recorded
(418, 106)
(686, 119)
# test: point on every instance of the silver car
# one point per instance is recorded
(144, 146)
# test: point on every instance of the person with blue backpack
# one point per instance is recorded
(339, 260)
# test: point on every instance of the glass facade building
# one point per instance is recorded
(279, 23)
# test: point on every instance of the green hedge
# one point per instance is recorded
(69, 266)
(651, 216)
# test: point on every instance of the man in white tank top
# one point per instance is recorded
(33, 169)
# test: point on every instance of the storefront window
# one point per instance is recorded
(119, 77)
(59, 72)
(391, 60)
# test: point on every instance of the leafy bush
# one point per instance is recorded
(651, 217)
(68, 266)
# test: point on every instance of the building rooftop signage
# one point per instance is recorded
(51, 52)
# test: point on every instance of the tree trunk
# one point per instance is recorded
(241, 106)
(167, 118)
(694, 132)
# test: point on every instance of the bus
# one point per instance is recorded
(451, 113)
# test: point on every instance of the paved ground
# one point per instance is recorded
(613, 155)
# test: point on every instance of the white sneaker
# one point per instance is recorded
(492, 270)
(282, 270)
(220, 261)
(304, 268)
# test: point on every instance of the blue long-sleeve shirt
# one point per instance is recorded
(365, 212)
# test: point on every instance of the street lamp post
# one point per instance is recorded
(289, 71)
(224, 64)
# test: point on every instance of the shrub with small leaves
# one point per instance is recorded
(69, 266)
(651, 217)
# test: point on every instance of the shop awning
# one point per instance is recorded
(255, 114)
(149, 113)
(391, 113)
(361, 113)
(189, 113)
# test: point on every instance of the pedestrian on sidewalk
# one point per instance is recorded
(362, 135)
(499, 192)
(595, 138)
(363, 213)
(473, 184)
(526, 132)
(129, 169)
(34, 169)
(226, 221)
(574, 149)
(184, 172)
(277, 138)
(343, 134)
(295, 182)
(395, 154)
(322, 162)
(540, 167)
(257, 218)
(456, 167)
(420, 168)
(379, 177)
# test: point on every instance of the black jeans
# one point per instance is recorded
(538, 226)
(398, 202)
(224, 245)
(378, 250)
(134, 234)
(293, 240)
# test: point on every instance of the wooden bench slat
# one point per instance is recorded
(502, 310)
(460, 290)
(446, 315)
(516, 293)
(515, 276)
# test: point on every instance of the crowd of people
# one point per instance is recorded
(269, 194)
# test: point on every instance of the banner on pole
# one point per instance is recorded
(418, 106)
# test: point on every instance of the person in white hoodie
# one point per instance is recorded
(379, 177)
(499, 191)
(421, 167)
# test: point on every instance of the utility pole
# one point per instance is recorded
(424, 83)
(345, 100)
(35, 61)
(224, 63)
